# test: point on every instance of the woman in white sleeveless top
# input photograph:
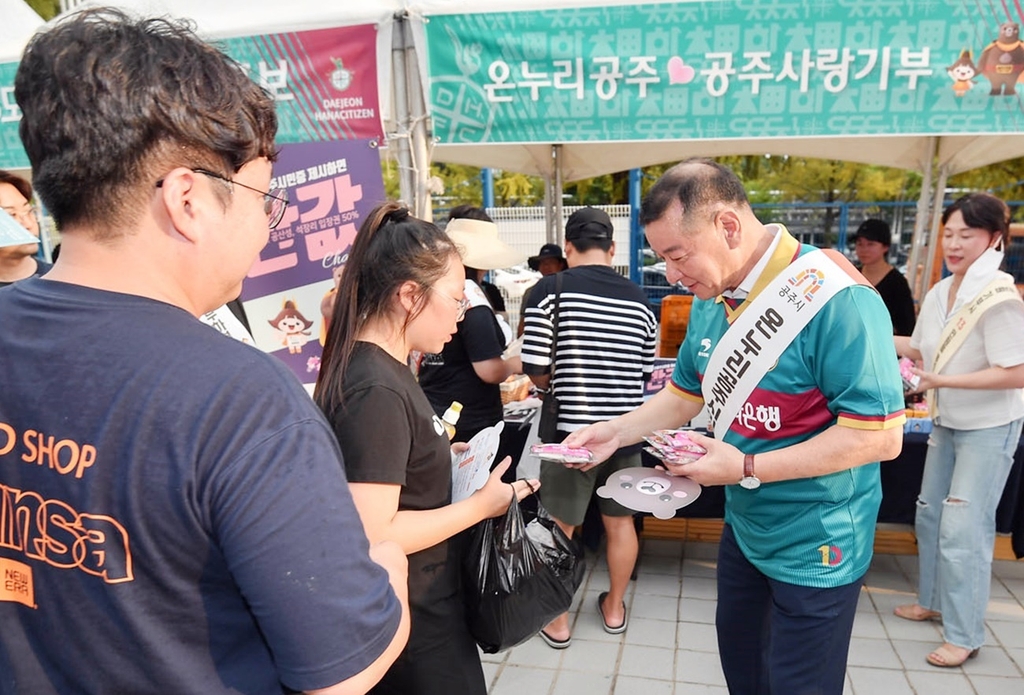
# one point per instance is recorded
(976, 395)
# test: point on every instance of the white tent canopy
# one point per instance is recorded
(19, 23)
(579, 159)
(409, 127)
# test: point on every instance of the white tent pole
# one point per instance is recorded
(921, 220)
(406, 183)
(556, 161)
(549, 217)
(418, 131)
(933, 231)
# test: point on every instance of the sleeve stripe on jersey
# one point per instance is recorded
(872, 422)
(683, 393)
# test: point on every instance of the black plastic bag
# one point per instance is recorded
(521, 573)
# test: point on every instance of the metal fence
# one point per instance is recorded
(820, 224)
(523, 229)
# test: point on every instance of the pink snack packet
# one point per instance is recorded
(674, 446)
(560, 453)
(910, 380)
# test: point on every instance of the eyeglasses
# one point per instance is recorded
(463, 304)
(21, 213)
(274, 203)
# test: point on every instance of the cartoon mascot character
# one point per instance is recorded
(962, 72)
(1002, 61)
(293, 326)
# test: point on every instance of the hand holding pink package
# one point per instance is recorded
(674, 446)
(910, 380)
(560, 453)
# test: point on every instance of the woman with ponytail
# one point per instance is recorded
(402, 290)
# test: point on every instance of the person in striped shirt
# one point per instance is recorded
(602, 353)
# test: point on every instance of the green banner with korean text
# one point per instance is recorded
(724, 69)
(324, 84)
(11, 154)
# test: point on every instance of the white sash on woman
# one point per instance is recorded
(959, 326)
(772, 320)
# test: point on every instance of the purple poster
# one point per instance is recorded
(331, 187)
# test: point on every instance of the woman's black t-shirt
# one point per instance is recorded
(389, 434)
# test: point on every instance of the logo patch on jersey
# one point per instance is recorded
(831, 555)
(705, 347)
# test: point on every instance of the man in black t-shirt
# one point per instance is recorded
(174, 516)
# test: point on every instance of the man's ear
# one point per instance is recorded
(731, 227)
(182, 203)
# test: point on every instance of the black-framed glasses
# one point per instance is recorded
(275, 202)
(463, 304)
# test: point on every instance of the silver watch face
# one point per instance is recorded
(750, 482)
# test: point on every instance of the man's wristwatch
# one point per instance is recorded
(749, 480)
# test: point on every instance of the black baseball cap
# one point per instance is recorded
(589, 223)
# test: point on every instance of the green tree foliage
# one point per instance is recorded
(47, 9)
(1004, 179)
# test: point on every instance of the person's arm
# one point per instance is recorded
(984, 379)
(836, 449)
(496, 369)
(390, 556)
(541, 381)
(292, 477)
(667, 409)
(903, 348)
(484, 344)
(415, 530)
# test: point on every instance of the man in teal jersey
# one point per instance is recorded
(799, 460)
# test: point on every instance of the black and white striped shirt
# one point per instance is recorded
(606, 341)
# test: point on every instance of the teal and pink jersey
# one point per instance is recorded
(841, 369)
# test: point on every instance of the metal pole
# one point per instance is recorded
(556, 161)
(844, 224)
(933, 236)
(636, 260)
(419, 135)
(549, 218)
(487, 180)
(406, 186)
(921, 220)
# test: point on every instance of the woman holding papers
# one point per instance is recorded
(970, 338)
(402, 290)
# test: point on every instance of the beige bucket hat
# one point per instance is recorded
(479, 245)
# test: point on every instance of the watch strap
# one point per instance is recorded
(748, 466)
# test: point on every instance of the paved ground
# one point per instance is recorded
(670, 647)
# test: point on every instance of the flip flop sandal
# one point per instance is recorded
(610, 629)
(555, 643)
(943, 657)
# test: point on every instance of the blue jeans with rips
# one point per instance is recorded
(964, 475)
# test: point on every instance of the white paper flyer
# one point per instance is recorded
(471, 468)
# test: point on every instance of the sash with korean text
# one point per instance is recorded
(758, 337)
(960, 324)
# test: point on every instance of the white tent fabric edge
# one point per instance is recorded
(19, 24)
